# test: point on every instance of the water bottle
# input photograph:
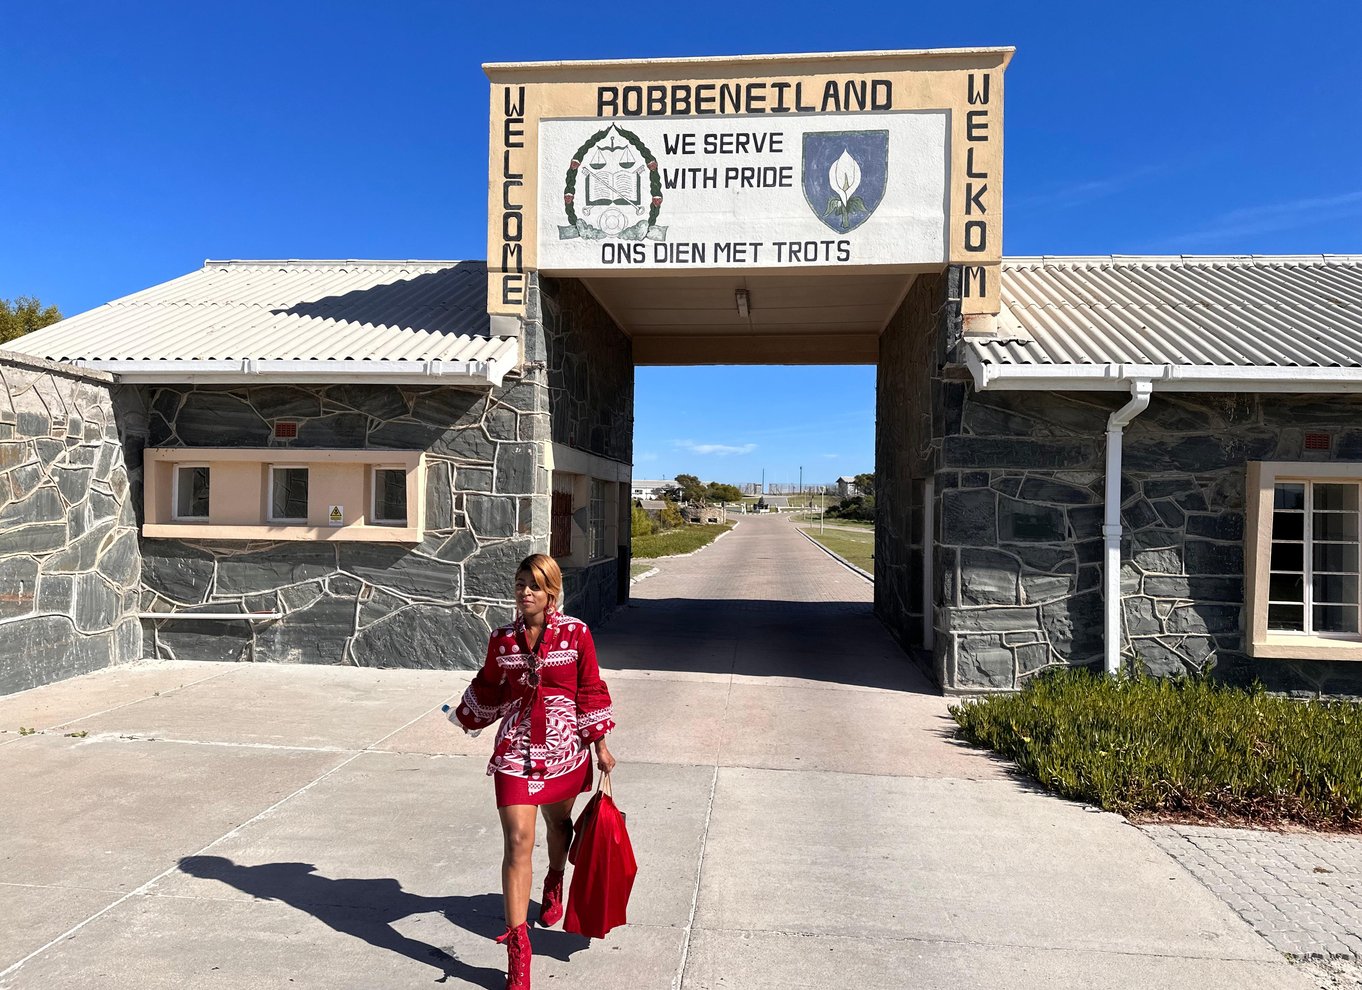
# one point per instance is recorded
(449, 712)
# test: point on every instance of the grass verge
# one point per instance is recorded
(636, 569)
(1186, 749)
(685, 540)
(859, 548)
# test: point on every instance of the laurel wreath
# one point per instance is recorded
(654, 178)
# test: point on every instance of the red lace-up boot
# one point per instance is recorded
(517, 942)
(551, 904)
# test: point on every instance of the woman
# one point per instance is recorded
(541, 679)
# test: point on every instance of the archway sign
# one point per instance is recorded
(750, 167)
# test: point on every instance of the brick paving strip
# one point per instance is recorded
(1301, 892)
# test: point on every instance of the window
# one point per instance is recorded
(1302, 529)
(288, 493)
(264, 493)
(560, 527)
(1313, 561)
(191, 491)
(597, 519)
(390, 496)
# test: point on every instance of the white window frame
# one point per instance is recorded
(1286, 644)
(175, 492)
(374, 517)
(1308, 543)
(269, 494)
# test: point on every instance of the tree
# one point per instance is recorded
(24, 315)
(693, 490)
(670, 517)
(723, 493)
(640, 523)
(865, 484)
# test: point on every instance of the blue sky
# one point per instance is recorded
(143, 138)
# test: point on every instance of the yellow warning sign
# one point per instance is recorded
(335, 515)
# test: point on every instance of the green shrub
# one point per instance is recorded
(641, 524)
(670, 516)
(669, 542)
(858, 507)
(1186, 748)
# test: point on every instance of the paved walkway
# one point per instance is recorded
(800, 813)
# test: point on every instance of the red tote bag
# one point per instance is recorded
(605, 867)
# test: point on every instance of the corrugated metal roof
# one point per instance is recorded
(1244, 311)
(290, 310)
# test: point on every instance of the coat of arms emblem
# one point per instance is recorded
(613, 189)
(845, 173)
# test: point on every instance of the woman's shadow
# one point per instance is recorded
(367, 909)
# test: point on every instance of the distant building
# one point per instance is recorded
(649, 489)
(707, 514)
(846, 486)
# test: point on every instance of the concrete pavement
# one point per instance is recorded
(800, 814)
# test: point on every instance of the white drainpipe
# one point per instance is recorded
(1140, 390)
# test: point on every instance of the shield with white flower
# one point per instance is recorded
(845, 173)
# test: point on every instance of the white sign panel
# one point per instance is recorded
(677, 193)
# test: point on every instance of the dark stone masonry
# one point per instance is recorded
(69, 560)
(591, 372)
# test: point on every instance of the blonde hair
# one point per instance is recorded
(546, 573)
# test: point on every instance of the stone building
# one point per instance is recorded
(336, 462)
(1123, 437)
(1148, 463)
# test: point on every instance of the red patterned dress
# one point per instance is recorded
(541, 754)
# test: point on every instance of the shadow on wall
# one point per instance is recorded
(452, 301)
(833, 642)
(367, 909)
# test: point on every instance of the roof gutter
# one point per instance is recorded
(231, 372)
(1162, 377)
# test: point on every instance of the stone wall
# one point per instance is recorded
(905, 452)
(69, 561)
(1020, 485)
(591, 372)
(590, 593)
(369, 604)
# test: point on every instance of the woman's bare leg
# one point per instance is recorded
(558, 820)
(517, 830)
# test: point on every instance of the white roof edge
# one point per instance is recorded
(1164, 377)
(382, 262)
(615, 63)
(1180, 259)
(395, 371)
